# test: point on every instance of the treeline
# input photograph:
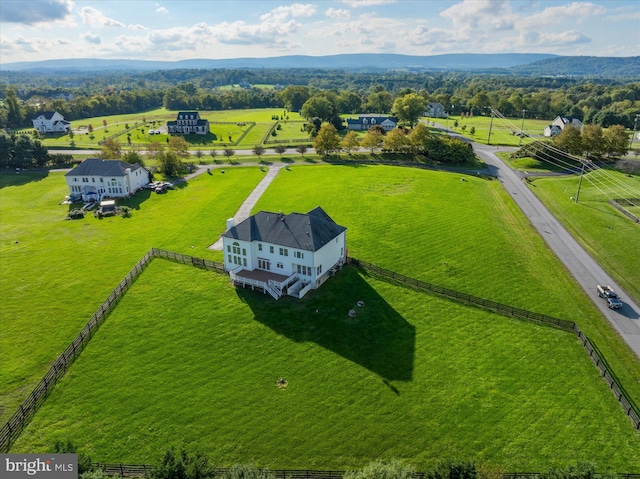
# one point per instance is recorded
(24, 151)
(601, 102)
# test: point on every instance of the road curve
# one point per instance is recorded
(580, 264)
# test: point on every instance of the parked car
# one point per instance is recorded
(161, 188)
(610, 296)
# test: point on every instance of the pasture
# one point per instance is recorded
(501, 130)
(465, 235)
(186, 360)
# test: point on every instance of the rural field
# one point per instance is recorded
(501, 130)
(414, 376)
(606, 234)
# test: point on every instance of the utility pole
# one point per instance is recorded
(522, 128)
(580, 182)
(633, 133)
(490, 126)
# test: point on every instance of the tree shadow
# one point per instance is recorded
(9, 177)
(377, 338)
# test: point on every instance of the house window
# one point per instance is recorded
(270, 249)
(229, 256)
(101, 180)
(284, 252)
(93, 180)
(75, 179)
(280, 265)
(299, 254)
(259, 246)
(244, 252)
(228, 248)
(318, 270)
(244, 261)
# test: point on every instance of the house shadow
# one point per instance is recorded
(377, 338)
(9, 177)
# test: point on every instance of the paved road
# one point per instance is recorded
(583, 267)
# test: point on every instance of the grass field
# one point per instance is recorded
(501, 130)
(468, 236)
(607, 234)
(188, 361)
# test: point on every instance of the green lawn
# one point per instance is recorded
(55, 273)
(501, 130)
(187, 361)
(607, 234)
(458, 385)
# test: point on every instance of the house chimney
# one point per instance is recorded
(231, 222)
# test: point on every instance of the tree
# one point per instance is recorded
(629, 166)
(302, 149)
(182, 466)
(258, 150)
(350, 141)
(111, 149)
(169, 163)
(179, 146)
(454, 470)
(154, 149)
(349, 102)
(14, 111)
(90, 128)
(280, 149)
(379, 102)
(592, 140)
(396, 140)
(373, 139)
(243, 471)
(616, 140)
(133, 157)
(104, 123)
(409, 108)
(381, 470)
(22, 152)
(40, 154)
(318, 106)
(419, 137)
(569, 140)
(228, 152)
(327, 140)
(294, 97)
(213, 154)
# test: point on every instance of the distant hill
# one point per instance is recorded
(608, 67)
(528, 64)
(358, 61)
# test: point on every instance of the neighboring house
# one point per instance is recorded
(435, 110)
(365, 122)
(559, 123)
(188, 122)
(552, 130)
(95, 179)
(284, 254)
(50, 122)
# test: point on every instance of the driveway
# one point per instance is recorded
(581, 265)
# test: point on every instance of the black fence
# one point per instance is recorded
(627, 404)
(12, 428)
(139, 470)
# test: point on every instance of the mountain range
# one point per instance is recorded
(517, 63)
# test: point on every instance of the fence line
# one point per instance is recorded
(12, 428)
(139, 470)
(16, 423)
(627, 404)
(632, 202)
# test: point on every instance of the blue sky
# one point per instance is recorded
(173, 30)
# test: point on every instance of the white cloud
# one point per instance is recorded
(573, 13)
(94, 17)
(137, 27)
(32, 12)
(162, 10)
(339, 13)
(295, 10)
(366, 3)
(91, 38)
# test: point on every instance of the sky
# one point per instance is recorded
(32, 30)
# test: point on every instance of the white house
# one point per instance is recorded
(365, 122)
(50, 122)
(284, 254)
(435, 110)
(558, 124)
(95, 179)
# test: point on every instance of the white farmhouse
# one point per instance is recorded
(95, 179)
(50, 122)
(284, 254)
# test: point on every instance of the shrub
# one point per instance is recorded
(75, 215)
(125, 211)
(380, 470)
(243, 471)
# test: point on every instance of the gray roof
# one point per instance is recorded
(99, 167)
(309, 231)
(47, 115)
